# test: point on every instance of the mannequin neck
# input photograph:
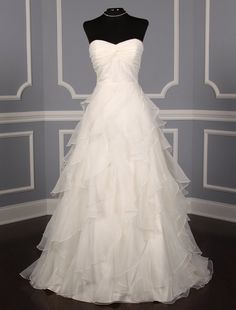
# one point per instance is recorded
(114, 12)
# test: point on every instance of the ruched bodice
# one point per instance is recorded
(116, 62)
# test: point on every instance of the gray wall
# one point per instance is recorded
(176, 72)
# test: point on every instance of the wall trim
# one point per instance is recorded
(28, 82)
(169, 114)
(175, 80)
(60, 80)
(208, 132)
(62, 133)
(213, 209)
(207, 57)
(31, 186)
(23, 211)
(175, 146)
(27, 210)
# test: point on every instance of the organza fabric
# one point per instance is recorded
(120, 229)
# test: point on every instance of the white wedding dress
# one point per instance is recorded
(120, 230)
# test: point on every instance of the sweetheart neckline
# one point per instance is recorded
(116, 44)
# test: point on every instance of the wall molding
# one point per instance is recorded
(60, 80)
(213, 209)
(208, 132)
(175, 146)
(28, 82)
(207, 81)
(169, 114)
(32, 209)
(31, 186)
(175, 80)
(62, 133)
(23, 211)
(70, 88)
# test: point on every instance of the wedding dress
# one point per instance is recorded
(120, 230)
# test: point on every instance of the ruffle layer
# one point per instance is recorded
(104, 264)
(120, 231)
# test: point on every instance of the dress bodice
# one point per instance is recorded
(117, 63)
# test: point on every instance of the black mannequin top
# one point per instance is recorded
(115, 25)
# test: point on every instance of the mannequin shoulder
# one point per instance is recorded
(87, 24)
(142, 21)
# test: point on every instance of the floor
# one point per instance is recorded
(216, 238)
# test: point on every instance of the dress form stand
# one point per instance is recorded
(115, 25)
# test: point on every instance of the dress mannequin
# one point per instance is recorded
(115, 25)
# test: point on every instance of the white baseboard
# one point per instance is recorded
(37, 208)
(23, 211)
(213, 209)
